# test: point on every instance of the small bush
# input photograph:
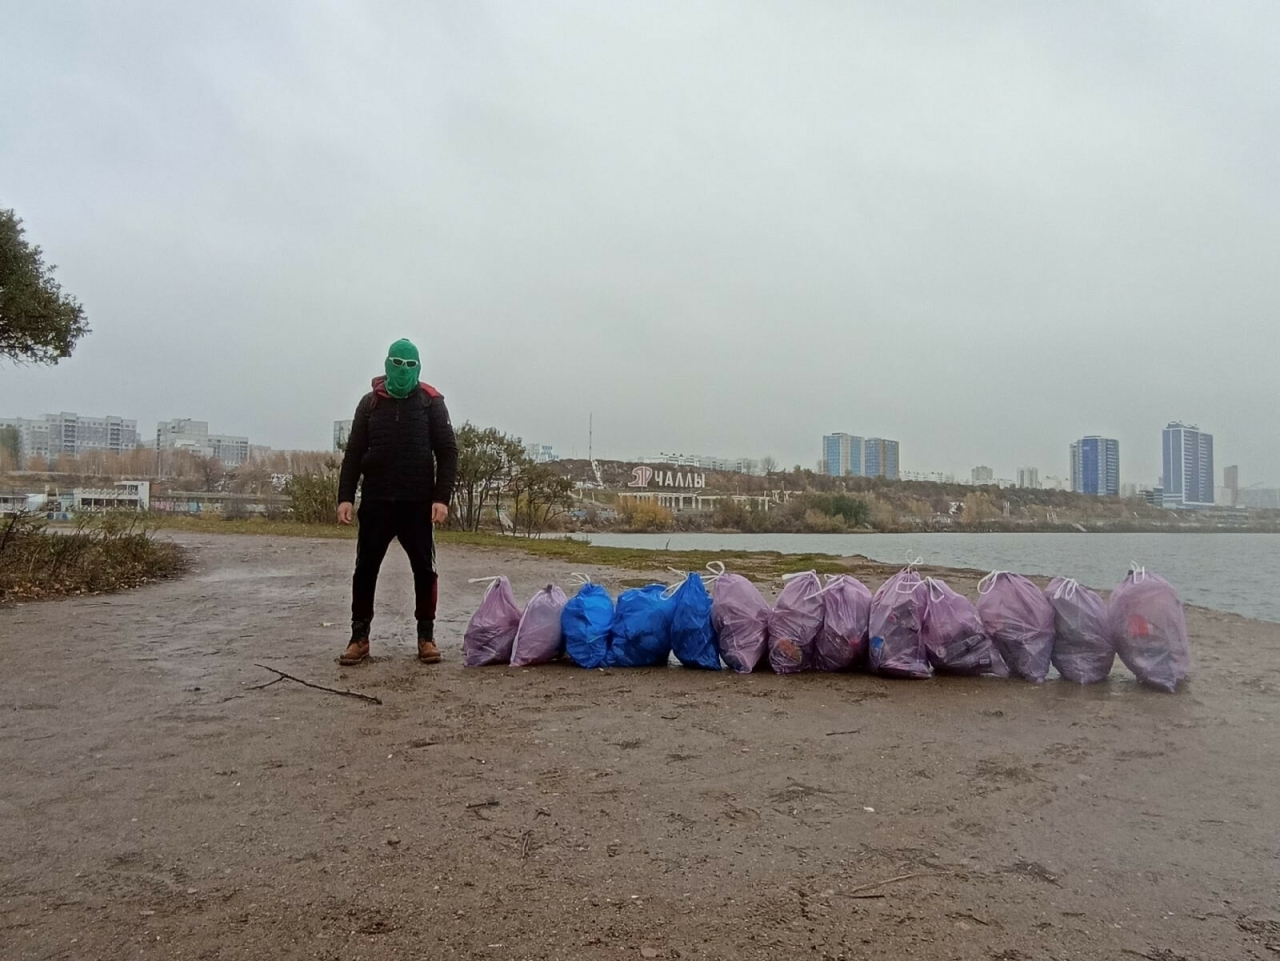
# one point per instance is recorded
(234, 510)
(816, 522)
(313, 495)
(647, 516)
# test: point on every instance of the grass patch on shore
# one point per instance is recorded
(215, 524)
(757, 565)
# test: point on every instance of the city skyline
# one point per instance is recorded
(784, 222)
(234, 449)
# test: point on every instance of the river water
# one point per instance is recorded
(1228, 572)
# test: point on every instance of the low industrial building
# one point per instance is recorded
(129, 495)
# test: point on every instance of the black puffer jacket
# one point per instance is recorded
(404, 449)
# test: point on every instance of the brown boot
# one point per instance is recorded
(356, 652)
(428, 653)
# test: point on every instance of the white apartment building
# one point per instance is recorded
(736, 465)
(193, 435)
(52, 435)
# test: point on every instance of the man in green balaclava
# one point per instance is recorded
(402, 446)
(402, 369)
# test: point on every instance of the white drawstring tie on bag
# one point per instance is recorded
(988, 583)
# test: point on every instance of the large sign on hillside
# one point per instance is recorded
(648, 477)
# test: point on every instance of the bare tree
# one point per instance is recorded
(209, 470)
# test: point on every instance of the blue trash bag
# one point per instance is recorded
(693, 637)
(587, 619)
(641, 634)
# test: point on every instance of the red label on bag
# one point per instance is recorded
(1139, 626)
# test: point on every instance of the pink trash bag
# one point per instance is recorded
(953, 635)
(846, 612)
(897, 609)
(1083, 652)
(1149, 628)
(740, 616)
(492, 630)
(1020, 620)
(795, 623)
(539, 638)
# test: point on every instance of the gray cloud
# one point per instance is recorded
(722, 227)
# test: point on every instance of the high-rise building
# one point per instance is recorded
(982, 475)
(1231, 481)
(1188, 467)
(1095, 466)
(880, 458)
(55, 434)
(193, 436)
(842, 455)
(1029, 477)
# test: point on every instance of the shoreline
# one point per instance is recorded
(758, 564)
(635, 566)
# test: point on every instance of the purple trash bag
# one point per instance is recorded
(953, 635)
(795, 623)
(897, 609)
(1083, 651)
(1019, 619)
(539, 638)
(1149, 628)
(740, 616)
(493, 626)
(846, 611)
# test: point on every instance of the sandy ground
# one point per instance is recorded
(154, 806)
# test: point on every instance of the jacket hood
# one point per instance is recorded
(380, 389)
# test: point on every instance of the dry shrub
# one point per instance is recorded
(106, 552)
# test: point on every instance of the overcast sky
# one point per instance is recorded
(984, 229)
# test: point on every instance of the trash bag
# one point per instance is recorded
(1149, 629)
(794, 623)
(740, 617)
(1083, 651)
(1019, 619)
(897, 610)
(492, 630)
(586, 621)
(641, 632)
(693, 635)
(540, 638)
(846, 611)
(954, 638)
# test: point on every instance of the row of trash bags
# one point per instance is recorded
(911, 627)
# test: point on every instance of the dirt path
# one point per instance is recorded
(153, 806)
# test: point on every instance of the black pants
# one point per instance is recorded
(409, 522)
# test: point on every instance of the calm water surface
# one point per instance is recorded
(1229, 572)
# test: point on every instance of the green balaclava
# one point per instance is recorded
(402, 369)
